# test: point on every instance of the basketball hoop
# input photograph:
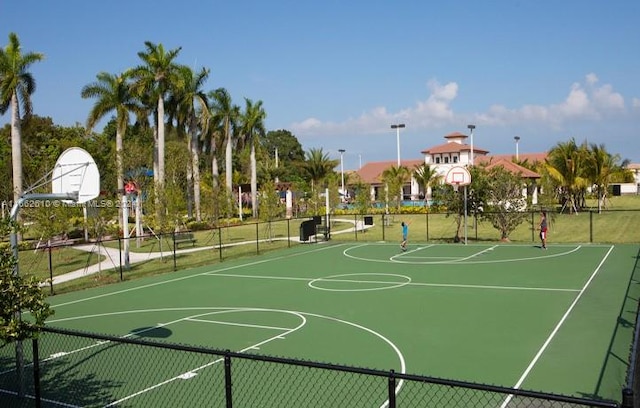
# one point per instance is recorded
(458, 176)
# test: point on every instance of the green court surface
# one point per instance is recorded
(557, 320)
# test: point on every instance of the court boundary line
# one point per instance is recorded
(533, 362)
(412, 283)
(393, 259)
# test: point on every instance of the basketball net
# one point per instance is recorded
(455, 186)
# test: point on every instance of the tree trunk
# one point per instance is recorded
(16, 148)
(195, 163)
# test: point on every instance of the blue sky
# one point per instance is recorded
(338, 73)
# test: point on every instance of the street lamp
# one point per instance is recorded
(397, 128)
(471, 127)
(517, 139)
(344, 193)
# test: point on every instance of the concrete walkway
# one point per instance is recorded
(112, 255)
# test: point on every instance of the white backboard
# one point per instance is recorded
(76, 171)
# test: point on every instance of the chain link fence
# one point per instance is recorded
(66, 368)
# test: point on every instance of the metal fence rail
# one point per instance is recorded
(70, 368)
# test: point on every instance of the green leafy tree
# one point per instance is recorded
(505, 205)
(17, 85)
(20, 294)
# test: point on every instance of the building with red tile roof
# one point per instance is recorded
(454, 152)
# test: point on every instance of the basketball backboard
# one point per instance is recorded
(76, 172)
(458, 176)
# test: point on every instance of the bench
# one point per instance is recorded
(183, 237)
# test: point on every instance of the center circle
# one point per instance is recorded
(359, 282)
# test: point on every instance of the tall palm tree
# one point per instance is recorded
(252, 130)
(16, 86)
(191, 104)
(225, 114)
(113, 94)
(427, 177)
(157, 76)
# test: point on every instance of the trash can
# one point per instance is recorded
(307, 229)
(368, 220)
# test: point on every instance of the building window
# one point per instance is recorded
(455, 159)
(446, 160)
(437, 160)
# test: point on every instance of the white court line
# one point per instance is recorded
(182, 376)
(252, 326)
(445, 285)
(557, 328)
(477, 253)
(194, 276)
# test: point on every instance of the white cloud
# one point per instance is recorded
(587, 100)
(635, 102)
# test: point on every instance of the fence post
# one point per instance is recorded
(36, 372)
(533, 227)
(392, 389)
(50, 271)
(120, 255)
(627, 398)
(175, 262)
(591, 226)
(383, 223)
(426, 216)
(258, 239)
(288, 233)
(220, 242)
(227, 380)
(355, 223)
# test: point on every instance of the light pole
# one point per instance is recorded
(517, 139)
(344, 193)
(471, 127)
(397, 128)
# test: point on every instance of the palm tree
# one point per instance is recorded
(113, 94)
(252, 131)
(427, 177)
(225, 114)
(318, 165)
(566, 165)
(601, 166)
(395, 178)
(191, 104)
(16, 86)
(157, 77)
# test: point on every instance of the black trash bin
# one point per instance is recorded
(307, 229)
(368, 220)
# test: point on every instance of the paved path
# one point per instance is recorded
(112, 255)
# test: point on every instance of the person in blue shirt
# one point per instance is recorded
(405, 235)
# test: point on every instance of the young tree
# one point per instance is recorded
(20, 294)
(505, 205)
(16, 86)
